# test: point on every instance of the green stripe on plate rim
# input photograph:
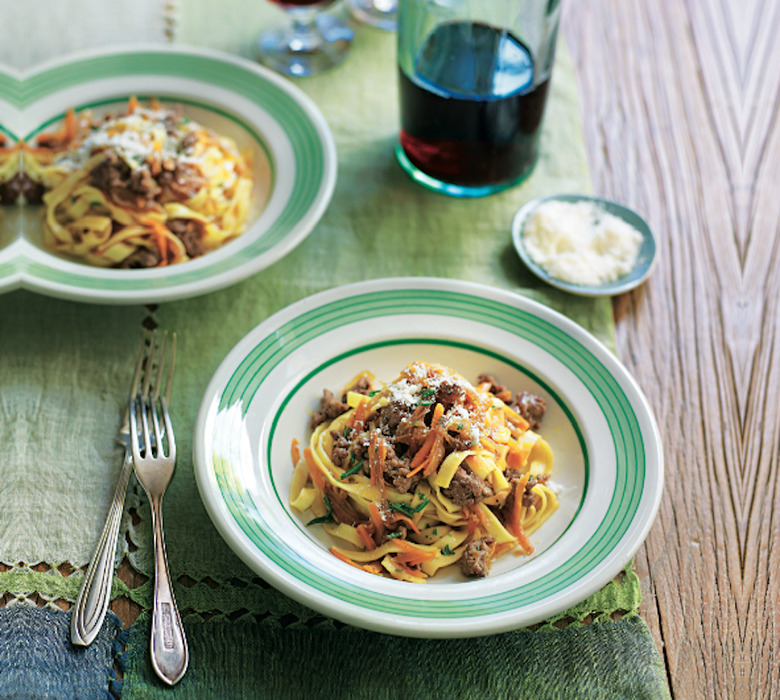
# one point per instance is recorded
(7, 132)
(606, 391)
(304, 138)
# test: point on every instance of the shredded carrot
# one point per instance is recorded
(516, 419)
(405, 566)
(63, 135)
(347, 560)
(376, 460)
(365, 536)
(359, 415)
(476, 519)
(482, 518)
(376, 517)
(398, 517)
(435, 456)
(516, 457)
(314, 470)
(295, 453)
(430, 454)
(160, 234)
(413, 554)
(514, 522)
(370, 568)
(132, 103)
(422, 453)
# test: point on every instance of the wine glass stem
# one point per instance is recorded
(305, 35)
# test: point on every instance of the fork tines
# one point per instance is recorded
(152, 383)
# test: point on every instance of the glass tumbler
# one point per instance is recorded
(474, 77)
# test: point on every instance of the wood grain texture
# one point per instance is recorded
(679, 104)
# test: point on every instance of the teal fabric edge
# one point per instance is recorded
(38, 661)
(268, 659)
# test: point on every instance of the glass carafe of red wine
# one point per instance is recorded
(473, 84)
(311, 41)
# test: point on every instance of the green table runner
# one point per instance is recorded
(64, 370)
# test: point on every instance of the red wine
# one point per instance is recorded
(470, 114)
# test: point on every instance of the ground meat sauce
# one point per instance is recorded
(138, 188)
(142, 258)
(21, 185)
(330, 407)
(476, 559)
(531, 407)
(466, 488)
(190, 232)
(528, 405)
(529, 497)
(134, 188)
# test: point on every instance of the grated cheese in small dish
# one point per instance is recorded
(580, 242)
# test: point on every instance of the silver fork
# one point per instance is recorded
(154, 456)
(90, 607)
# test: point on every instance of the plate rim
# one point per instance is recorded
(33, 272)
(488, 623)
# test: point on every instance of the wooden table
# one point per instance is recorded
(679, 107)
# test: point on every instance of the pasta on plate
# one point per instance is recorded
(425, 472)
(147, 188)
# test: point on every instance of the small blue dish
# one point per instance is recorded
(639, 273)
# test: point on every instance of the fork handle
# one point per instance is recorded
(168, 645)
(90, 607)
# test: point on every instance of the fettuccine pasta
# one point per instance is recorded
(147, 188)
(425, 472)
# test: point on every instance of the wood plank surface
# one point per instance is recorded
(679, 104)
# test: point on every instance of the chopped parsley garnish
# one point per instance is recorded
(327, 518)
(393, 535)
(446, 551)
(408, 510)
(354, 469)
(374, 393)
(425, 397)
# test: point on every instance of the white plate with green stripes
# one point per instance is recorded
(293, 154)
(608, 456)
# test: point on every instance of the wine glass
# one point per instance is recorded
(377, 13)
(311, 42)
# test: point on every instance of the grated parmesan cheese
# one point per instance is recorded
(580, 243)
(403, 392)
